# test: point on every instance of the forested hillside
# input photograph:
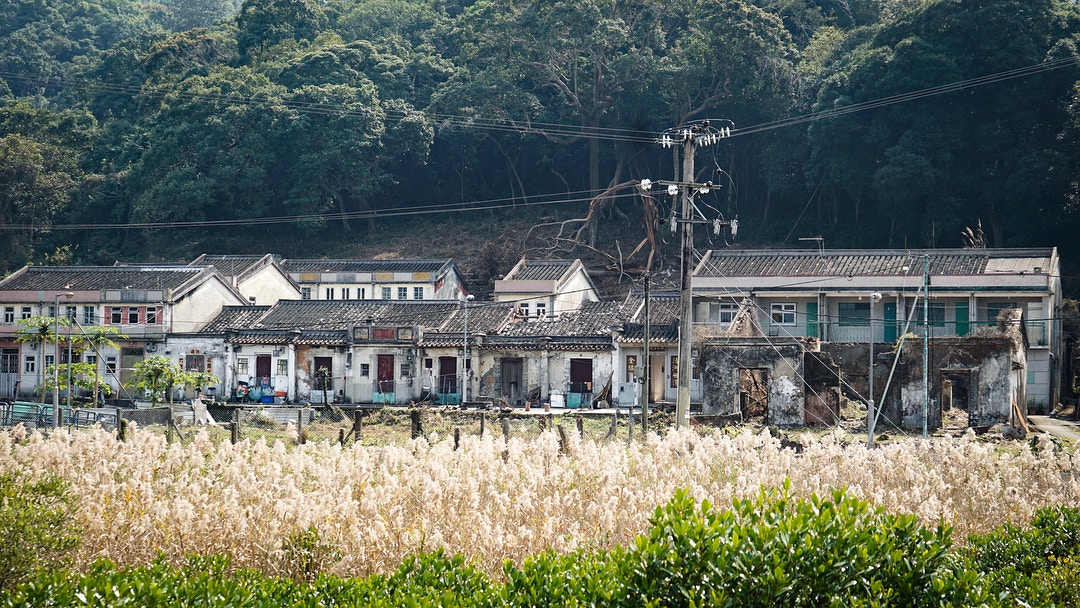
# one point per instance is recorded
(158, 130)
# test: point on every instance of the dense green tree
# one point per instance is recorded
(265, 23)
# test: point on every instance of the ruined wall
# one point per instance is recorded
(780, 362)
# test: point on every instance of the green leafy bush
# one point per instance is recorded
(35, 525)
(1037, 564)
(774, 550)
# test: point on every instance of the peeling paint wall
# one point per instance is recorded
(782, 361)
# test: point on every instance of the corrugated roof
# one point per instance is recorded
(865, 262)
(33, 278)
(295, 266)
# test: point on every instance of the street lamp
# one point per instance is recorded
(465, 363)
(56, 357)
(874, 297)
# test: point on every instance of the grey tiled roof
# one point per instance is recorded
(101, 277)
(310, 265)
(228, 265)
(541, 270)
(664, 312)
(593, 319)
(869, 262)
(234, 317)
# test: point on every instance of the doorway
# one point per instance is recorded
(9, 373)
(656, 378)
(447, 382)
(753, 392)
(581, 381)
(955, 397)
(512, 368)
(384, 380)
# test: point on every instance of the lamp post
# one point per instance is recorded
(465, 362)
(870, 414)
(56, 357)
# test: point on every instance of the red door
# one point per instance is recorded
(385, 376)
(447, 375)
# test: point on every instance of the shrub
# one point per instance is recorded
(35, 525)
(774, 550)
(581, 578)
(1036, 564)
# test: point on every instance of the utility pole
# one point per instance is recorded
(691, 136)
(645, 363)
(926, 343)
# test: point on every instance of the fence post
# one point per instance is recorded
(506, 429)
(457, 437)
(121, 426)
(564, 441)
(551, 421)
(483, 422)
(300, 427)
(417, 429)
(358, 424)
(581, 427)
(235, 430)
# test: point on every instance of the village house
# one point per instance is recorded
(546, 288)
(377, 279)
(839, 302)
(261, 279)
(148, 304)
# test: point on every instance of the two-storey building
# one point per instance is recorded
(377, 279)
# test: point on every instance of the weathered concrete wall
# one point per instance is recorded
(781, 359)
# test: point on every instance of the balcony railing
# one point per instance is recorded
(1037, 331)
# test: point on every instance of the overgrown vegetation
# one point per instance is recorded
(772, 550)
(37, 531)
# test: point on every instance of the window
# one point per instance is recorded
(524, 309)
(993, 309)
(365, 369)
(116, 315)
(386, 293)
(89, 315)
(541, 310)
(151, 315)
(344, 293)
(404, 370)
(418, 293)
(283, 367)
(30, 364)
(361, 293)
(110, 365)
(194, 363)
(853, 313)
(133, 315)
(403, 293)
(305, 293)
(935, 314)
(723, 312)
(242, 367)
(428, 363)
(92, 360)
(49, 360)
(329, 293)
(26, 312)
(75, 357)
(72, 313)
(783, 313)
(9, 315)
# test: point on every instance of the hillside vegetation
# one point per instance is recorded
(141, 131)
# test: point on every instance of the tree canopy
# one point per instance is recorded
(867, 122)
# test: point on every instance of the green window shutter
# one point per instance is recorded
(888, 333)
(811, 320)
(962, 325)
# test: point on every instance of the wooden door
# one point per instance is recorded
(385, 371)
(447, 376)
(511, 380)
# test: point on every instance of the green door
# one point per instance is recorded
(962, 325)
(812, 320)
(888, 333)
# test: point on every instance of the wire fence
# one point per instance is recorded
(369, 426)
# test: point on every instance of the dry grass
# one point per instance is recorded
(494, 500)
